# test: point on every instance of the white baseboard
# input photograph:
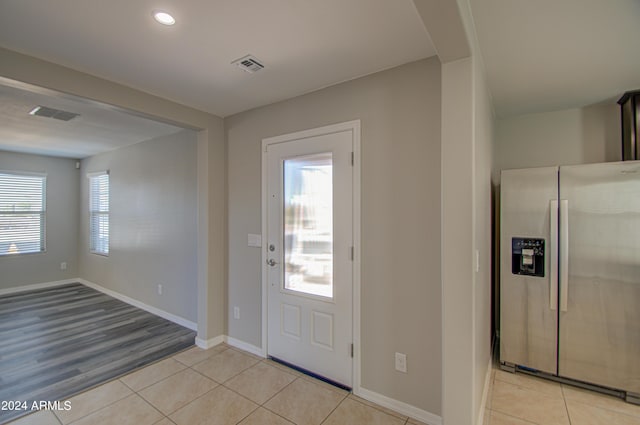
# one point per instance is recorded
(400, 407)
(153, 310)
(485, 391)
(205, 344)
(384, 401)
(258, 351)
(34, 286)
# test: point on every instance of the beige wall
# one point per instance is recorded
(572, 136)
(482, 285)
(467, 145)
(399, 111)
(153, 208)
(458, 248)
(211, 169)
(61, 222)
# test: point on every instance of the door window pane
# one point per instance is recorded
(308, 224)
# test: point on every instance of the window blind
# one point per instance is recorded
(99, 213)
(22, 213)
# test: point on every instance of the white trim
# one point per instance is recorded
(205, 344)
(244, 346)
(354, 127)
(24, 173)
(35, 286)
(263, 250)
(153, 310)
(400, 407)
(485, 391)
(357, 256)
(97, 173)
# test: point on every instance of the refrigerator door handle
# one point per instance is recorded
(564, 253)
(553, 254)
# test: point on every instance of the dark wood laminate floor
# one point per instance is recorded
(59, 341)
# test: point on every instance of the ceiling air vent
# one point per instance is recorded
(248, 63)
(43, 111)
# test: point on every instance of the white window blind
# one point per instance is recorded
(22, 213)
(99, 212)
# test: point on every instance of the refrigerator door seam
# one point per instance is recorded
(553, 254)
(564, 254)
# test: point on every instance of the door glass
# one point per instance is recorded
(308, 224)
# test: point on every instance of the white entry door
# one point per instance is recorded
(309, 240)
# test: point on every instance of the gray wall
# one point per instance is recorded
(61, 222)
(572, 136)
(153, 212)
(399, 111)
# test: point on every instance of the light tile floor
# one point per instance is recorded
(221, 385)
(224, 385)
(520, 399)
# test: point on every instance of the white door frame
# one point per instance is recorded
(354, 127)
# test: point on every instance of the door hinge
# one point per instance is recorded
(352, 254)
(353, 158)
(351, 350)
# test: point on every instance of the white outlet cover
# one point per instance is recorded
(401, 362)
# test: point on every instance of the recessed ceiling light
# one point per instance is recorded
(163, 18)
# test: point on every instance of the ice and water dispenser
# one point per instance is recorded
(527, 256)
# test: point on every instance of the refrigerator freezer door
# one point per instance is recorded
(528, 320)
(599, 339)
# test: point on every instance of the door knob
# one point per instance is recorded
(272, 262)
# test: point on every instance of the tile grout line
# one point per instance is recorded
(147, 386)
(237, 393)
(514, 417)
(104, 406)
(605, 408)
(231, 377)
(197, 398)
(153, 407)
(218, 384)
(186, 367)
(250, 413)
(334, 409)
(566, 407)
(263, 405)
(380, 408)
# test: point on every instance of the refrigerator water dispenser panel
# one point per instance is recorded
(527, 256)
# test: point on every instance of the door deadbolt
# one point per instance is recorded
(272, 247)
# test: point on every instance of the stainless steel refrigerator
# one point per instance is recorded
(570, 273)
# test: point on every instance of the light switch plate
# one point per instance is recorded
(254, 240)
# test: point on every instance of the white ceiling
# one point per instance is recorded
(97, 129)
(544, 55)
(539, 55)
(305, 44)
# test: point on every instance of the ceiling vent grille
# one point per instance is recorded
(248, 63)
(58, 114)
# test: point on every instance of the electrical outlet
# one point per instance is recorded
(236, 312)
(160, 289)
(401, 362)
(63, 265)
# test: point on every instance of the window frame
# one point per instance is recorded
(42, 212)
(94, 245)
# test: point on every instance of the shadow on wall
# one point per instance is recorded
(601, 132)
